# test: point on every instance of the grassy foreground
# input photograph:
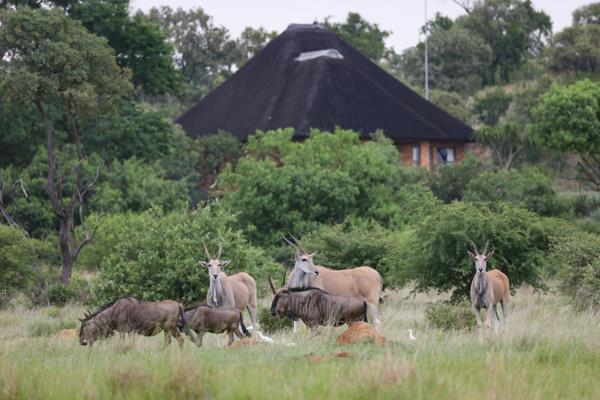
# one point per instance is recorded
(547, 352)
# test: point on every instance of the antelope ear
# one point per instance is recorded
(489, 255)
(225, 263)
(471, 254)
(81, 319)
(203, 263)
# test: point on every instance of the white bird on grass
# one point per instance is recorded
(264, 338)
(412, 337)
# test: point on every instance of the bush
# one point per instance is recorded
(17, 262)
(59, 295)
(436, 257)
(577, 261)
(529, 187)
(272, 323)
(355, 243)
(448, 181)
(154, 255)
(450, 316)
(282, 186)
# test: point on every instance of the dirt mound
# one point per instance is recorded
(66, 334)
(360, 332)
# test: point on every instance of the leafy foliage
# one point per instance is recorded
(437, 256)
(567, 118)
(491, 105)
(529, 187)
(356, 243)
(17, 258)
(577, 260)
(155, 256)
(282, 186)
(448, 181)
(450, 317)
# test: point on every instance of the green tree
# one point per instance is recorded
(53, 63)
(575, 49)
(448, 181)
(281, 186)
(134, 186)
(437, 258)
(451, 102)
(491, 105)
(18, 261)
(139, 43)
(156, 256)
(529, 188)
(204, 53)
(250, 42)
(458, 60)
(364, 36)
(513, 30)
(567, 119)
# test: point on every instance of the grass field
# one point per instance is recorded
(547, 352)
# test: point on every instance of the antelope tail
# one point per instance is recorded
(243, 327)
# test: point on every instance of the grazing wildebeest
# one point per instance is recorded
(316, 307)
(237, 290)
(488, 288)
(130, 315)
(360, 281)
(211, 319)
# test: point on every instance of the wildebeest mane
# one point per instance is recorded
(306, 289)
(106, 306)
(197, 306)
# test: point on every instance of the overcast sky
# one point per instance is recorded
(402, 17)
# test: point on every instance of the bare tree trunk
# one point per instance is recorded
(69, 246)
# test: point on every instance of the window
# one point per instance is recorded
(445, 155)
(416, 154)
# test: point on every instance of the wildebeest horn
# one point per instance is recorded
(219, 253)
(206, 251)
(474, 247)
(271, 284)
(487, 242)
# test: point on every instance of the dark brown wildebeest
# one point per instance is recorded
(206, 318)
(363, 281)
(237, 290)
(488, 288)
(130, 315)
(315, 307)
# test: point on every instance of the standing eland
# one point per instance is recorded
(237, 291)
(363, 282)
(488, 288)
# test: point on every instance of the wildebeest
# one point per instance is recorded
(488, 288)
(316, 307)
(360, 281)
(130, 315)
(206, 318)
(237, 290)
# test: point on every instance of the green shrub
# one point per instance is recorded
(355, 243)
(17, 262)
(436, 257)
(283, 186)
(272, 323)
(450, 316)
(59, 295)
(577, 261)
(448, 181)
(529, 187)
(155, 256)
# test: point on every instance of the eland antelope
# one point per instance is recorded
(488, 288)
(364, 282)
(237, 290)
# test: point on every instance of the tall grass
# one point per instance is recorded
(548, 351)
